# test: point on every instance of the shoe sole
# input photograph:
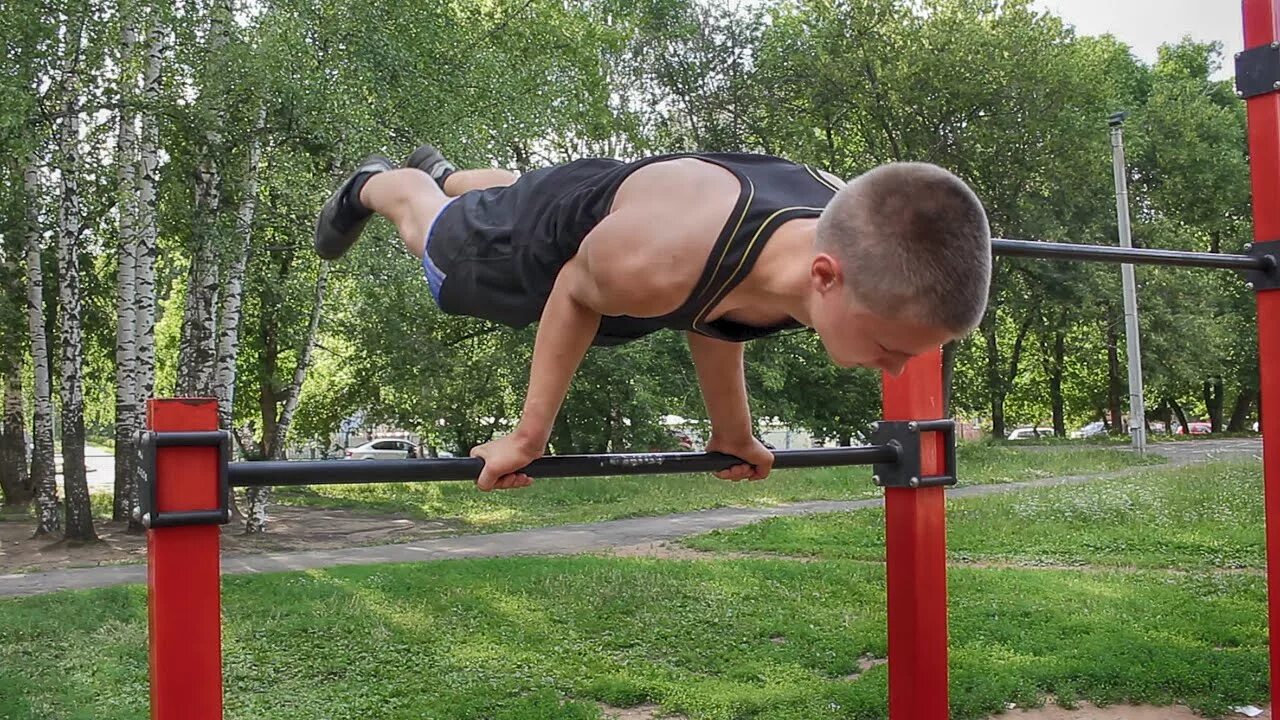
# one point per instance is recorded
(330, 244)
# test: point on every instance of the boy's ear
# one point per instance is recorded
(825, 272)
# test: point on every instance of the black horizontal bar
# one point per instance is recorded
(179, 518)
(1139, 256)
(335, 472)
(189, 438)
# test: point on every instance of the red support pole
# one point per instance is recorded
(916, 556)
(1262, 27)
(183, 591)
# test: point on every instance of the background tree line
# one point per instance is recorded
(164, 164)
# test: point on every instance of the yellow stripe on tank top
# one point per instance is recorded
(751, 194)
(745, 254)
(818, 176)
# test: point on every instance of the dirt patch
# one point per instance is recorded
(1011, 565)
(639, 712)
(865, 663)
(672, 551)
(291, 528)
(1112, 712)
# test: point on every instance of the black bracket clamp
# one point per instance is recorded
(148, 514)
(1267, 278)
(904, 436)
(1258, 71)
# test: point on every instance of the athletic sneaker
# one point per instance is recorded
(343, 217)
(430, 161)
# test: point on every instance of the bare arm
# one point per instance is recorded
(722, 377)
(582, 294)
(626, 265)
(564, 334)
(604, 278)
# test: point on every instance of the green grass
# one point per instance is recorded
(1207, 516)
(102, 441)
(564, 501)
(1122, 440)
(527, 638)
(715, 639)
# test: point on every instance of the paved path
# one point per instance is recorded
(571, 539)
(100, 469)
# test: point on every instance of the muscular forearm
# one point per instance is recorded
(564, 335)
(722, 377)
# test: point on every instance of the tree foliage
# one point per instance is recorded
(262, 107)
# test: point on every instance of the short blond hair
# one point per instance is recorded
(913, 240)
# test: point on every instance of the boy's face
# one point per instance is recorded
(854, 336)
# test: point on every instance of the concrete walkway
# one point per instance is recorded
(573, 539)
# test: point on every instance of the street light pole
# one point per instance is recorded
(1137, 419)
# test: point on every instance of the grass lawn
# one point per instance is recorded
(563, 501)
(761, 638)
(1202, 517)
(526, 639)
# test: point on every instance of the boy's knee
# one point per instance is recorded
(416, 184)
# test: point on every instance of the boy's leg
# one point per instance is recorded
(455, 182)
(460, 181)
(409, 199)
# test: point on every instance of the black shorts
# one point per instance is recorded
(495, 253)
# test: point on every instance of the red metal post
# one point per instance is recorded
(183, 591)
(1262, 27)
(916, 556)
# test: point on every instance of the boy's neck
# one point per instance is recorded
(779, 279)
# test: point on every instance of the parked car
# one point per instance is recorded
(383, 449)
(676, 440)
(1197, 427)
(1028, 433)
(1097, 427)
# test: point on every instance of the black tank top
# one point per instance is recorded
(517, 238)
(773, 191)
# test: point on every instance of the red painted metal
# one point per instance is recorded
(1261, 27)
(183, 591)
(916, 557)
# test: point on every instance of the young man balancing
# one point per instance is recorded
(727, 247)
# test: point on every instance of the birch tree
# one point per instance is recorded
(278, 406)
(224, 381)
(144, 313)
(48, 516)
(15, 483)
(197, 351)
(79, 514)
(127, 415)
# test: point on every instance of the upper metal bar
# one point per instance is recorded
(332, 472)
(1140, 256)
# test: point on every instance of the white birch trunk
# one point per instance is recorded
(15, 485)
(144, 315)
(127, 415)
(224, 381)
(256, 498)
(48, 517)
(197, 347)
(16, 482)
(304, 364)
(75, 483)
(196, 350)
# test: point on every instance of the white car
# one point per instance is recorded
(1097, 427)
(1029, 433)
(383, 449)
